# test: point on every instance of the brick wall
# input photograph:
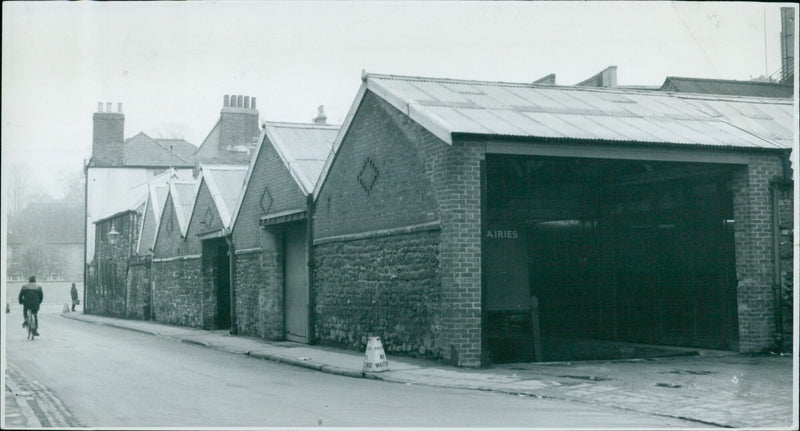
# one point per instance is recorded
(259, 294)
(752, 202)
(107, 291)
(387, 286)
(138, 281)
(461, 251)
(204, 218)
(379, 180)
(421, 179)
(270, 189)
(169, 240)
(179, 294)
(258, 279)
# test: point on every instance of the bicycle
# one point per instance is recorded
(30, 322)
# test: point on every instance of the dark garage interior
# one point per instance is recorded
(622, 256)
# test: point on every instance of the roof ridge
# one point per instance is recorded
(300, 125)
(172, 152)
(610, 90)
(728, 81)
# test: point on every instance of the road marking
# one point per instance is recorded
(30, 417)
(42, 407)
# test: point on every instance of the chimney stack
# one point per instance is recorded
(321, 118)
(107, 135)
(238, 124)
(606, 78)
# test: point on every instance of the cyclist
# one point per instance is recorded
(31, 296)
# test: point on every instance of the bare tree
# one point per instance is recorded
(20, 191)
(73, 186)
(169, 131)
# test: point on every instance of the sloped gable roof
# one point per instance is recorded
(157, 197)
(226, 184)
(142, 150)
(447, 106)
(303, 149)
(183, 194)
(134, 197)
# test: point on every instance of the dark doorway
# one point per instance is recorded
(216, 267)
(618, 253)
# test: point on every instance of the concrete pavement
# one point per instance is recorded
(713, 388)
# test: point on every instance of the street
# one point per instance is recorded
(78, 374)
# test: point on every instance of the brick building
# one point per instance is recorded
(449, 208)
(270, 231)
(120, 173)
(118, 275)
(234, 137)
(118, 164)
(175, 268)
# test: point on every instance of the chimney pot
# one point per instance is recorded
(99, 106)
(253, 102)
(108, 107)
(119, 107)
(226, 101)
(239, 101)
(321, 118)
(247, 102)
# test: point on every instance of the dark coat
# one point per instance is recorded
(31, 296)
(74, 292)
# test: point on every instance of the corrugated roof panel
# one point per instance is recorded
(309, 143)
(308, 172)
(568, 112)
(506, 96)
(535, 99)
(454, 118)
(564, 128)
(439, 93)
(660, 129)
(576, 100)
(530, 125)
(491, 119)
(486, 101)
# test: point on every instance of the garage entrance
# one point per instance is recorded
(614, 252)
(216, 269)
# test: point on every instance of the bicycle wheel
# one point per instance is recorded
(31, 327)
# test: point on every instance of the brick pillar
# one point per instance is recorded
(460, 207)
(752, 209)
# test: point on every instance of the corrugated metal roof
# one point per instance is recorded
(303, 148)
(183, 196)
(226, 184)
(447, 106)
(157, 195)
(134, 197)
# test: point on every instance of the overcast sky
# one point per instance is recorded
(171, 63)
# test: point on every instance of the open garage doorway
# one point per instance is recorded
(216, 270)
(621, 256)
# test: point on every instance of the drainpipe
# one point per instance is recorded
(231, 273)
(776, 249)
(310, 256)
(85, 232)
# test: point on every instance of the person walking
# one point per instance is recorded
(31, 296)
(73, 291)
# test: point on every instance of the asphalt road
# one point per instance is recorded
(79, 374)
